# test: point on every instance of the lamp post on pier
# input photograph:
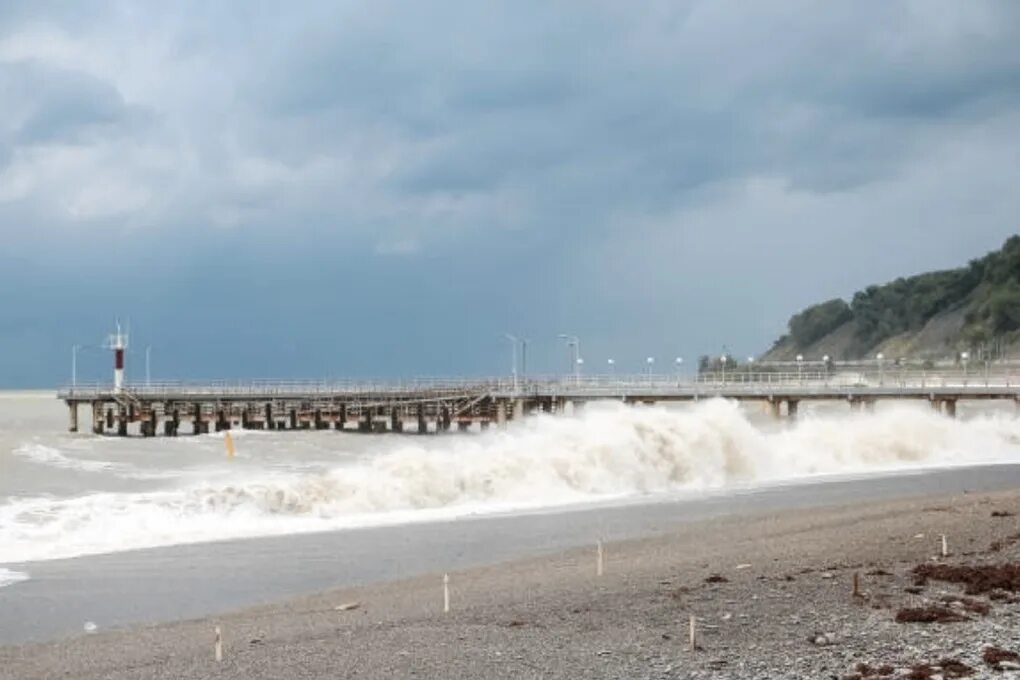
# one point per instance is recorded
(514, 341)
(74, 365)
(574, 344)
(881, 371)
(148, 374)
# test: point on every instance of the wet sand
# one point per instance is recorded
(786, 582)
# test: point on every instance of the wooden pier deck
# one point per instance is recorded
(434, 406)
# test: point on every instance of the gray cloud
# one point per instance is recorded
(662, 181)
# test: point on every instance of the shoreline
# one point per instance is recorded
(549, 615)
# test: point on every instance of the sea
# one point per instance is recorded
(79, 511)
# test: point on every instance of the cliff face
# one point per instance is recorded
(935, 315)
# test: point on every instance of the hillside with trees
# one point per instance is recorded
(974, 308)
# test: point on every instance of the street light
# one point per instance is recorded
(881, 371)
(825, 361)
(651, 362)
(514, 340)
(148, 376)
(74, 365)
(722, 363)
(580, 366)
(964, 356)
(574, 344)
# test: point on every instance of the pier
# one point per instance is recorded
(436, 406)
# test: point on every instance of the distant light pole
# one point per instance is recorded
(722, 364)
(574, 344)
(964, 356)
(825, 363)
(74, 365)
(148, 374)
(750, 369)
(800, 366)
(612, 366)
(580, 367)
(650, 361)
(881, 371)
(524, 358)
(514, 341)
(679, 369)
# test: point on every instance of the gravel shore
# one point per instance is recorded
(772, 596)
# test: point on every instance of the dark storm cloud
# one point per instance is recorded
(661, 179)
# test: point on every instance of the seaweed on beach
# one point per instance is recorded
(970, 604)
(929, 614)
(717, 578)
(993, 656)
(1002, 513)
(976, 580)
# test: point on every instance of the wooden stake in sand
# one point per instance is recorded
(945, 546)
(219, 644)
(693, 633)
(446, 593)
(857, 584)
(598, 558)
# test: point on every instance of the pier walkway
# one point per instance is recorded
(431, 406)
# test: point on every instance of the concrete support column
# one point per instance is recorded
(950, 406)
(518, 409)
(774, 406)
(445, 418)
(97, 419)
(791, 408)
(396, 421)
(122, 422)
(501, 412)
(74, 416)
(176, 420)
(293, 419)
(423, 425)
(109, 419)
(268, 416)
(365, 424)
(341, 417)
(463, 425)
(198, 422)
(320, 424)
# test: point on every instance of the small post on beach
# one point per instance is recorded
(945, 546)
(857, 584)
(599, 558)
(219, 644)
(693, 634)
(446, 593)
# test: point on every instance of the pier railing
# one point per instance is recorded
(887, 382)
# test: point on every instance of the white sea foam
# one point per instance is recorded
(10, 577)
(53, 457)
(610, 452)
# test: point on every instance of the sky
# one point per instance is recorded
(325, 189)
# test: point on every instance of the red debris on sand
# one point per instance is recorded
(931, 614)
(993, 656)
(976, 580)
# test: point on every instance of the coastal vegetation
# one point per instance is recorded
(975, 307)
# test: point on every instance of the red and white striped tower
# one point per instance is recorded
(118, 342)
